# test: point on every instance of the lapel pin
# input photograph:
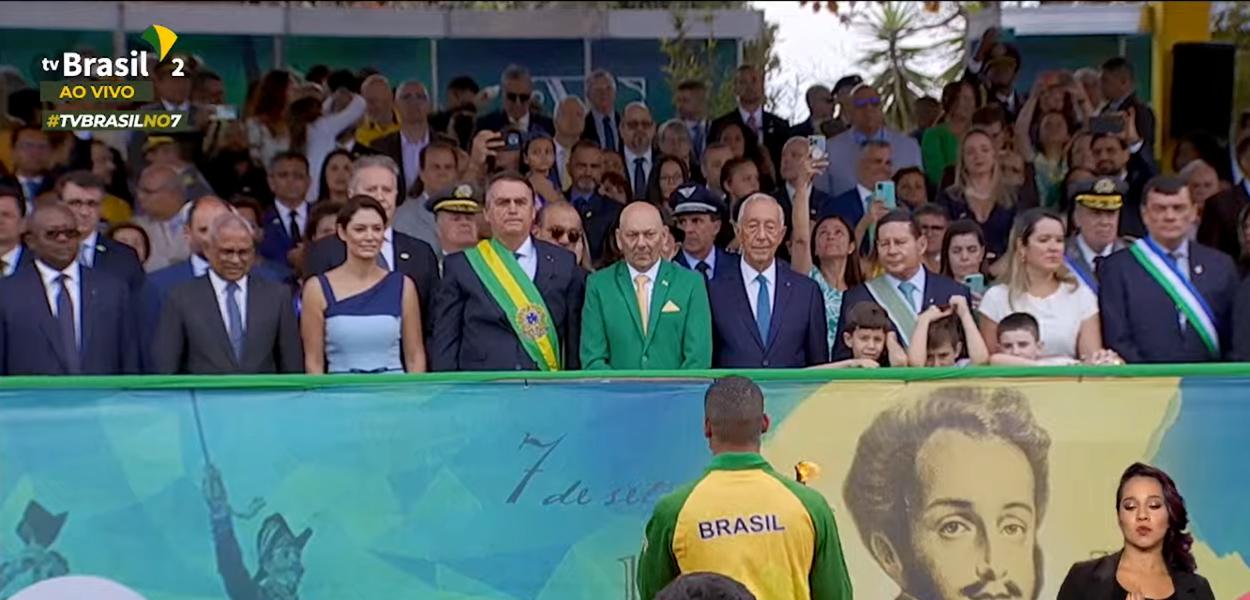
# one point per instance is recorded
(664, 282)
(100, 248)
(1197, 269)
(277, 221)
(403, 256)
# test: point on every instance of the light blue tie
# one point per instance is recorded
(85, 255)
(235, 316)
(763, 308)
(908, 288)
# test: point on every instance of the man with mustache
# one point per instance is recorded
(948, 492)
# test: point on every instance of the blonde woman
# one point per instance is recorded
(980, 193)
(1038, 282)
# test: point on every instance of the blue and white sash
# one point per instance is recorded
(1088, 279)
(1182, 291)
(899, 309)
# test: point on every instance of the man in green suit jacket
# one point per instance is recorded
(674, 331)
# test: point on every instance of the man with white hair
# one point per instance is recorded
(765, 315)
(639, 134)
(603, 123)
(516, 90)
(257, 315)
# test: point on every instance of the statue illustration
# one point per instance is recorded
(36, 561)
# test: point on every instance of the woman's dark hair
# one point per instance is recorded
(1176, 543)
(653, 183)
(963, 227)
(323, 188)
(904, 172)
(525, 150)
(354, 205)
(270, 100)
(950, 95)
(319, 211)
(618, 180)
(299, 117)
(852, 275)
(147, 241)
(727, 172)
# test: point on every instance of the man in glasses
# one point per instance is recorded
(46, 328)
(559, 224)
(516, 90)
(406, 145)
(770, 130)
(867, 124)
(639, 135)
(82, 192)
(645, 312)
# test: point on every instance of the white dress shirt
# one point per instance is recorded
(694, 261)
(758, 115)
(301, 218)
(597, 118)
(11, 259)
(1089, 254)
(527, 255)
(918, 280)
(753, 287)
(630, 157)
(388, 248)
(412, 156)
(87, 248)
(1182, 265)
(522, 124)
(184, 107)
(52, 289)
(649, 288)
(865, 196)
(219, 288)
(199, 266)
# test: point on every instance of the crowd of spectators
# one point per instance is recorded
(343, 223)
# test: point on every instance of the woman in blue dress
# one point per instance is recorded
(360, 317)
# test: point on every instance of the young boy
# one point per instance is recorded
(868, 334)
(1019, 340)
(938, 341)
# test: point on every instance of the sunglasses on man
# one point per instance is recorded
(515, 97)
(559, 233)
(866, 102)
(61, 234)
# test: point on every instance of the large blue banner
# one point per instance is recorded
(537, 489)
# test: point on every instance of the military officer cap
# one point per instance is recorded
(461, 198)
(1103, 193)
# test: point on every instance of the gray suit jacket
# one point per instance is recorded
(413, 219)
(191, 337)
(1073, 254)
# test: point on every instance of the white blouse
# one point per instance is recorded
(1059, 315)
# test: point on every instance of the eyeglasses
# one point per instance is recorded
(58, 234)
(515, 97)
(637, 124)
(558, 233)
(866, 102)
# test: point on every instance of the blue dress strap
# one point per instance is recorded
(326, 290)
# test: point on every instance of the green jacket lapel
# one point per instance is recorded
(659, 297)
(626, 286)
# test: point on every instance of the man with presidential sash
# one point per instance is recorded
(645, 312)
(1166, 299)
(906, 289)
(510, 303)
(1096, 215)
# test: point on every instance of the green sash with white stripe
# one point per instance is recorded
(899, 309)
(1182, 291)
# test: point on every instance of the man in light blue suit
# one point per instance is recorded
(867, 123)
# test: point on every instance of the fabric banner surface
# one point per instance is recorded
(385, 487)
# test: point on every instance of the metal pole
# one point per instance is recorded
(435, 85)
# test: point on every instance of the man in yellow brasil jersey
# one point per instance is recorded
(741, 518)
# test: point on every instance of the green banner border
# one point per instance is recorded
(303, 382)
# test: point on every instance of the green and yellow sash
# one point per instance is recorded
(504, 280)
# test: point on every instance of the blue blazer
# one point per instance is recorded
(725, 262)
(1140, 321)
(796, 336)
(938, 289)
(31, 345)
(847, 205)
(120, 261)
(471, 332)
(277, 241)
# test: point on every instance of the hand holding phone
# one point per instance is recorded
(885, 193)
(816, 147)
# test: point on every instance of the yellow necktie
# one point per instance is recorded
(640, 291)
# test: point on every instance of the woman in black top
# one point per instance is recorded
(980, 193)
(1156, 562)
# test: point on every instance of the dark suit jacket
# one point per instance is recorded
(1219, 220)
(797, 333)
(937, 290)
(599, 217)
(392, 145)
(776, 131)
(1095, 580)
(471, 332)
(849, 205)
(1241, 324)
(1139, 172)
(192, 339)
(1073, 253)
(412, 257)
(1139, 319)
(30, 343)
(120, 261)
(804, 129)
(590, 132)
(48, 183)
(1144, 119)
(497, 121)
(277, 241)
(725, 262)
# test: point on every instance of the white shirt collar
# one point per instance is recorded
(757, 113)
(863, 191)
(199, 266)
(91, 240)
(185, 106)
(527, 248)
(693, 260)
(50, 275)
(630, 156)
(917, 280)
(10, 259)
(523, 123)
(219, 283)
(651, 273)
(1088, 253)
(421, 143)
(770, 273)
(1182, 250)
(598, 117)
